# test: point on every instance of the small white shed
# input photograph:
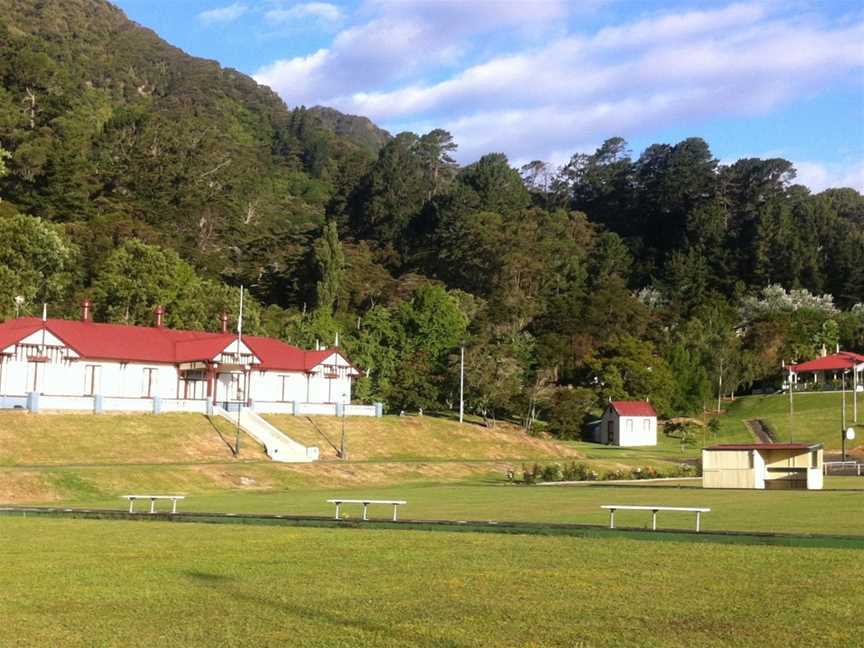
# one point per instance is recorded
(628, 423)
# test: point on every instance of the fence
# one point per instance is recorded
(36, 402)
(842, 468)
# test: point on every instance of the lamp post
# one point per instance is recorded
(461, 382)
(843, 410)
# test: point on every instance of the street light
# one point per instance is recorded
(461, 382)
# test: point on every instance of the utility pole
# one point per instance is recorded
(461, 383)
(720, 387)
(791, 408)
(239, 404)
(843, 405)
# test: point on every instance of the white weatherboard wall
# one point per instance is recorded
(42, 363)
(627, 430)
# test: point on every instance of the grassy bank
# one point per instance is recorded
(418, 438)
(817, 417)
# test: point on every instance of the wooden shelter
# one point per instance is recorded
(766, 466)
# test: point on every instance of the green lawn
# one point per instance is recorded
(824, 512)
(112, 583)
(817, 417)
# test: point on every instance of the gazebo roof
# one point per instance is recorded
(834, 362)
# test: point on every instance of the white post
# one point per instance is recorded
(395, 514)
(338, 506)
(174, 505)
(461, 383)
(654, 520)
(611, 518)
(720, 386)
(152, 505)
(698, 516)
(854, 393)
(131, 504)
(365, 507)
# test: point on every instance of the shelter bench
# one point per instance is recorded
(366, 502)
(616, 507)
(153, 499)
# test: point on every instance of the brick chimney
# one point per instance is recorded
(86, 311)
(223, 319)
(160, 316)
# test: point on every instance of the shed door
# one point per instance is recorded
(610, 431)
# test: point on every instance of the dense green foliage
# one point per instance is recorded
(158, 178)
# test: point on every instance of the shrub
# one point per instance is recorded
(577, 471)
(551, 473)
(531, 475)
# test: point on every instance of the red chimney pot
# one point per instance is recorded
(86, 311)
(224, 321)
(160, 315)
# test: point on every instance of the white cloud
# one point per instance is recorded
(223, 14)
(818, 176)
(322, 11)
(545, 90)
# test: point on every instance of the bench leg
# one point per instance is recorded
(611, 518)
(152, 506)
(338, 506)
(365, 507)
(131, 504)
(653, 520)
(698, 517)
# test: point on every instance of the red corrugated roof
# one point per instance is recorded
(833, 362)
(633, 408)
(159, 345)
(766, 446)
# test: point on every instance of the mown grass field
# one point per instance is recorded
(817, 417)
(822, 512)
(114, 583)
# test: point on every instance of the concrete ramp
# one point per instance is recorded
(279, 447)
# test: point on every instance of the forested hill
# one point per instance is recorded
(108, 123)
(136, 175)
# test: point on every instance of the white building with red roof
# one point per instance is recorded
(628, 423)
(83, 365)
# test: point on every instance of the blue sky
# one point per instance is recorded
(543, 79)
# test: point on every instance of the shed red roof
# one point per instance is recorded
(833, 362)
(159, 345)
(766, 446)
(633, 408)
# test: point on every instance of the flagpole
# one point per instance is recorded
(239, 404)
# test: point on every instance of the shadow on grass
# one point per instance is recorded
(304, 613)
(227, 442)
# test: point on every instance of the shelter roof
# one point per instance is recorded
(633, 408)
(834, 362)
(766, 446)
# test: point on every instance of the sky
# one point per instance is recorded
(545, 79)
